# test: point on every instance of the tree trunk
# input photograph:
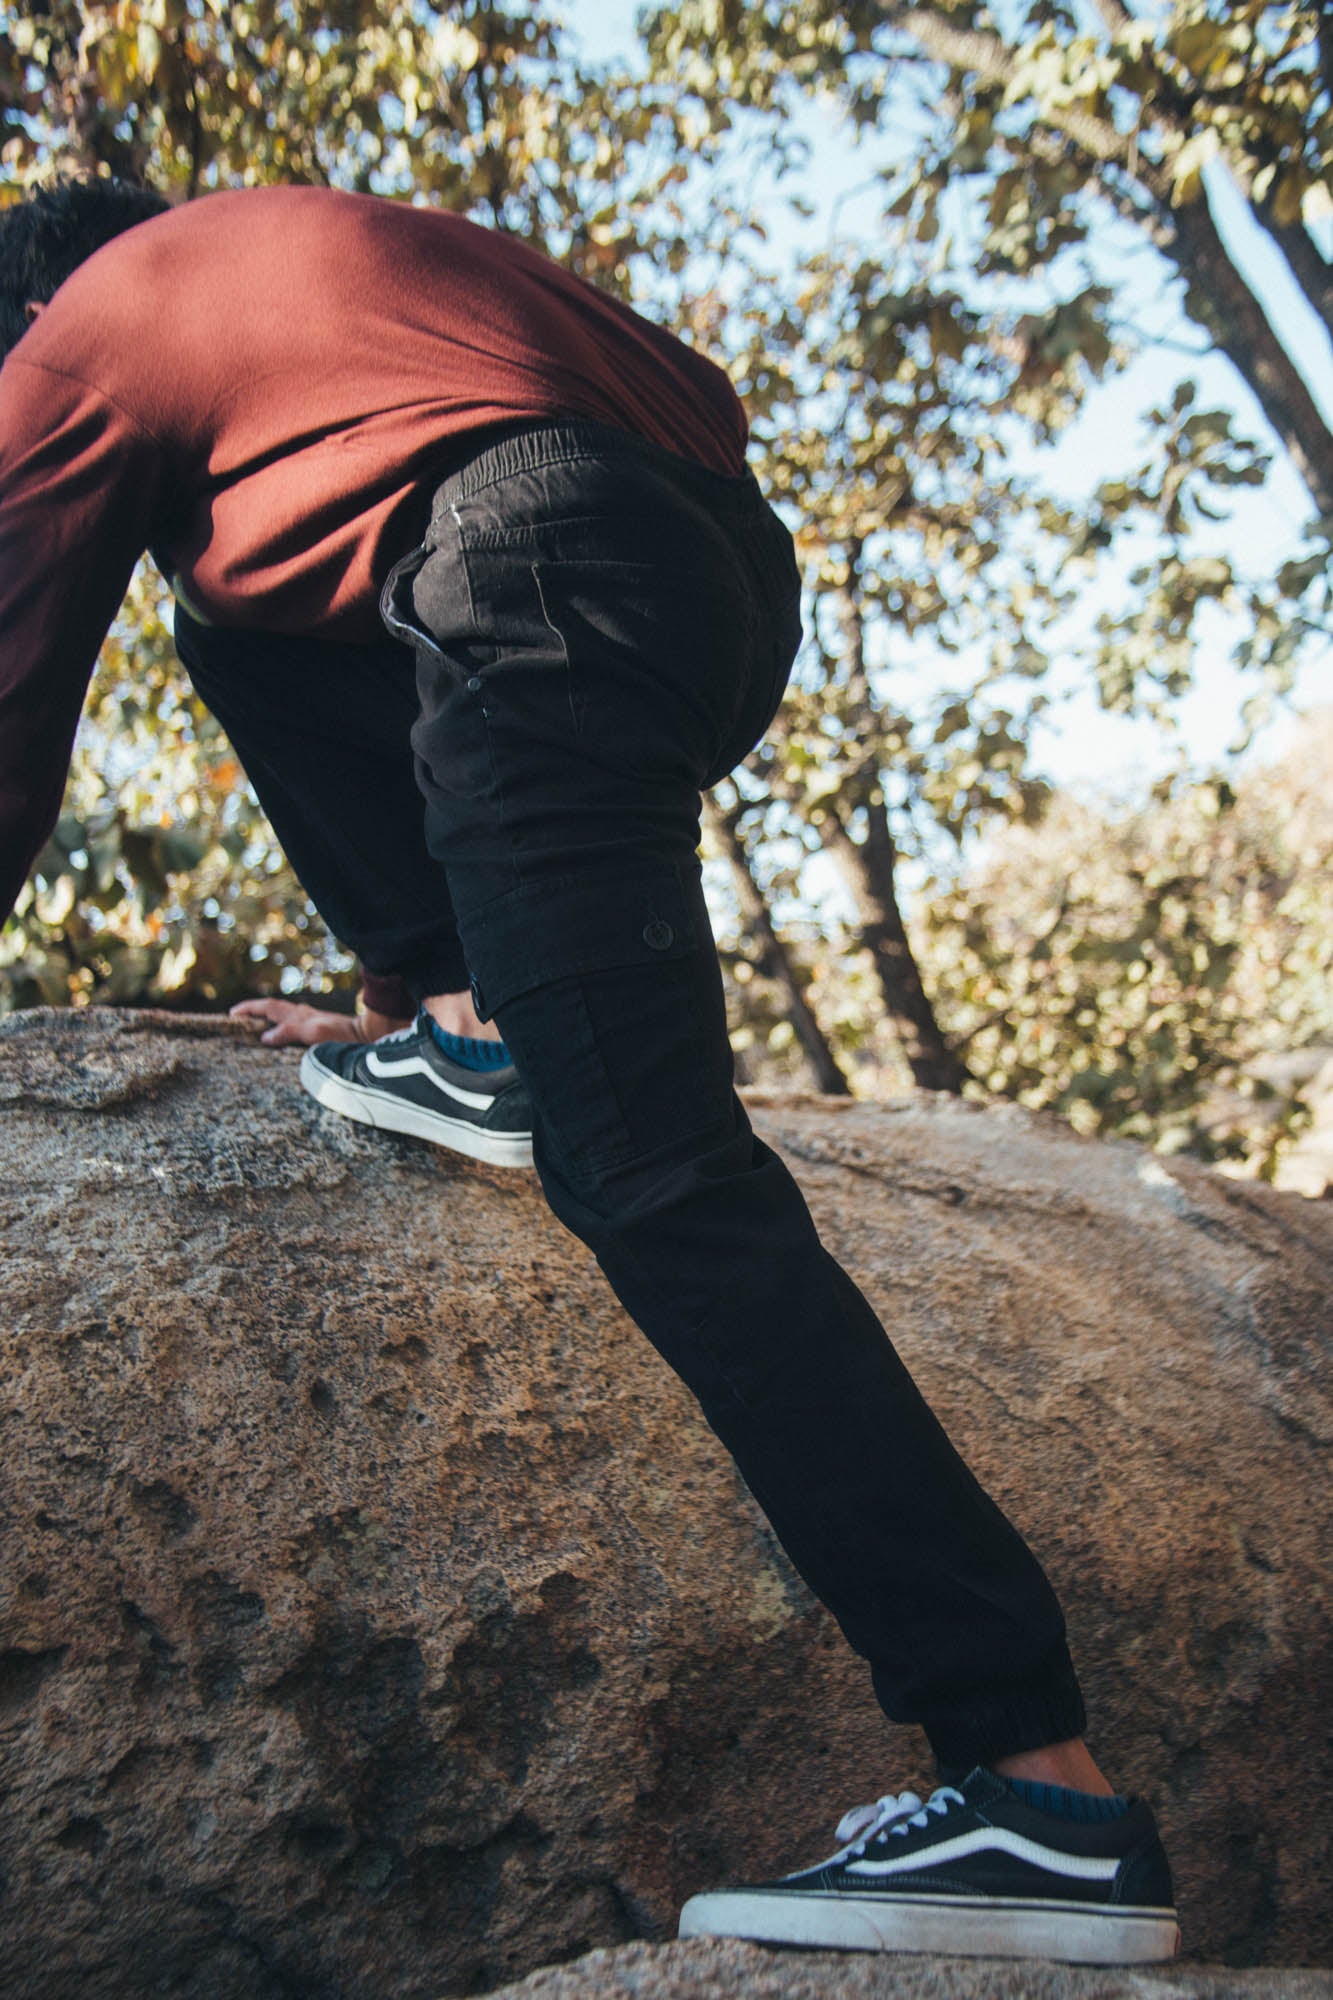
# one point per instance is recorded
(1223, 303)
(868, 868)
(1305, 261)
(777, 960)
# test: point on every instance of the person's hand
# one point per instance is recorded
(294, 1025)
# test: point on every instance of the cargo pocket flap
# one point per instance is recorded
(555, 930)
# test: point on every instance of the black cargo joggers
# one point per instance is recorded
(600, 631)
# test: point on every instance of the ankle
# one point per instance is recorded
(1069, 1765)
(1063, 1802)
(456, 1014)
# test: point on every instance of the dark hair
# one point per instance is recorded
(48, 234)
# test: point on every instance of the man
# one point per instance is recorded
(320, 411)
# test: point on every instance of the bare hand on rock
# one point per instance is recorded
(296, 1025)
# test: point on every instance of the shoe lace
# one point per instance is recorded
(893, 1813)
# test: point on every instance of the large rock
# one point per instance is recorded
(721, 1971)
(380, 1620)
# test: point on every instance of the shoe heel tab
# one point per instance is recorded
(1144, 1879)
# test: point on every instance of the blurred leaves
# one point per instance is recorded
(1133, 970)
(1038, 130)
(162, 883)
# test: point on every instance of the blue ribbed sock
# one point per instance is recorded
(1065, 1803)
(469, 1052)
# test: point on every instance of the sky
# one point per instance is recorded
(1083, 746)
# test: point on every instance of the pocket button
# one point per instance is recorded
(658, 936)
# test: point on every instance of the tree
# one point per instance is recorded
(888, 381)
(1057, 114)
(874, 405)
(1040, 129)
(1043, 126)
(881, 403)
(769, 956)
(1133, 970)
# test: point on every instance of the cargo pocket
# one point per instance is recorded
(548, 930)
(608, 992)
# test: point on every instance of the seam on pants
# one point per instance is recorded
(463, 565)
(575, 717)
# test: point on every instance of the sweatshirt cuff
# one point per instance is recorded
(385, 993)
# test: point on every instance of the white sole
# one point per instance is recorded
(390, 1114)
(989, 1927)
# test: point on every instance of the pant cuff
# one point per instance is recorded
(444, 971)
(1049, 1709)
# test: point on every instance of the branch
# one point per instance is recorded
(995, 1019)
(1311, 271)
(1230, 312)
(991, 60)
(868, 869)
(1152, 216)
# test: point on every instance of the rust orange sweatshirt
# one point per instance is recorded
(263, 386)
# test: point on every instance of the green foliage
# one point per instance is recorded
(888, 379)
(1152, 100)
(473, 107)
(162, 883)
(1142, 973)
(1123, 969)
(1036, 136)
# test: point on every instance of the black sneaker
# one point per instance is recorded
(972, 1873)
(406, 1083)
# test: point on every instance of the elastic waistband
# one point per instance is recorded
(584, 440)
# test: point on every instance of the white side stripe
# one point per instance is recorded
(414, 1066)
(1081, 1867)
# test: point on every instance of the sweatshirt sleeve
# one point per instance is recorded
(386, 993)
(80, 482)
